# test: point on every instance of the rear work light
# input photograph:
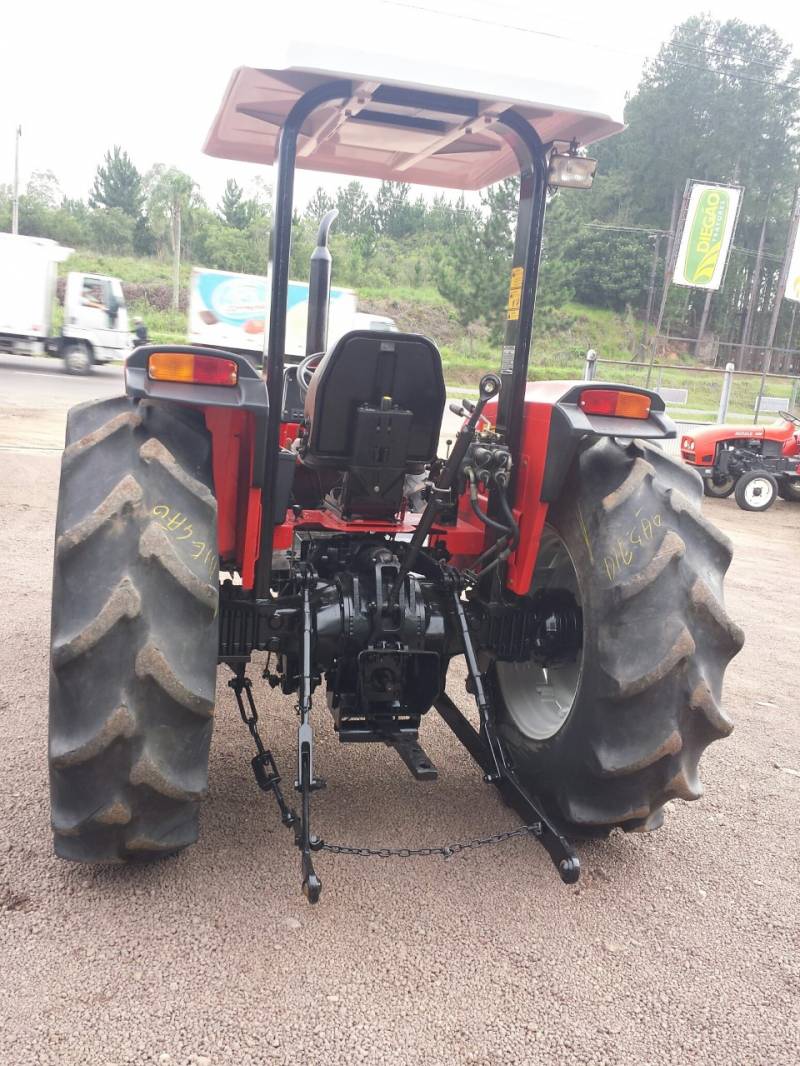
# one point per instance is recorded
(192, 369)
(616, 403)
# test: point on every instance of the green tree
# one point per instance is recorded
(233, 208)
(43, 190)
(118, 184)
(112, 230)
(172, 197)
(458, 273)
(356, 211)
(319, 205)
(396, 215)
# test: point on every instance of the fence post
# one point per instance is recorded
(764, 371)
(793, 396)
(590, 367)
(724, 400)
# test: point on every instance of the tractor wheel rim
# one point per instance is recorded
(758, 492)
(539, 698)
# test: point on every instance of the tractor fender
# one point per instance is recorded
(554, 427)
(236, 417)
(249, 394)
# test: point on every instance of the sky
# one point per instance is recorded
(150, 76)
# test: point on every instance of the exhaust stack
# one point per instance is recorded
(319, 288)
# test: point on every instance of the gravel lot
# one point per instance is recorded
(680, 947)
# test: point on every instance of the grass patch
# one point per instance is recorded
(127, 268)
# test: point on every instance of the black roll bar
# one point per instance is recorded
(532, 157)
(280, 247)
(319, 288)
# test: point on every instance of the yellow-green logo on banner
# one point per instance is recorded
(705, 236)
(711, 213)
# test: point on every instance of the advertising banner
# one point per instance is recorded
(707, 235)
(232, 310)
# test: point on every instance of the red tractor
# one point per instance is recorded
(557, 549)
(757, 463)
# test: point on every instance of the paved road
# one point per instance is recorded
(676, 948)
(35, 395)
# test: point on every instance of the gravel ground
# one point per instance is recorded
(679, 947)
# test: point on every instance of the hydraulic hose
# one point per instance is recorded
(512, 522)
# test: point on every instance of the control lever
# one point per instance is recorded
(489, 388)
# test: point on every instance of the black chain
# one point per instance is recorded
(445, 850)
(263, 764)
(267, 776)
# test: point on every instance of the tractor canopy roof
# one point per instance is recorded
(411, 115)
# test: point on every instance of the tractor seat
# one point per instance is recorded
(374, 411)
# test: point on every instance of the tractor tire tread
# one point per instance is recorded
(134, 632)
(657, 639)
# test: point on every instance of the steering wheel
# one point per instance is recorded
(306, 370)
(789, 418)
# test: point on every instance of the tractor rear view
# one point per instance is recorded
(213, 513)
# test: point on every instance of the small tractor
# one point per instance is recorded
(219, 510)
(756, 463)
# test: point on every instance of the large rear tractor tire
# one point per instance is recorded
(607, 738)
(134, 631)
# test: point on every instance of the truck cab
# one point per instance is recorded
(96, 327)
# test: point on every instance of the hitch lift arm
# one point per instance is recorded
(487, 751)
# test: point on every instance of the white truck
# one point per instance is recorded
(95, 327)
(231, 311)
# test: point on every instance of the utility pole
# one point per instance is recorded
(751, 303)
(656, 239)
(784, 271)
(176, 251)
(15, 198)
(703, 322)
(679, 211)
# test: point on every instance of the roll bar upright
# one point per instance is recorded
(532, 157)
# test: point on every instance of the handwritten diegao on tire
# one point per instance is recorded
(181, 529)
(626, 548)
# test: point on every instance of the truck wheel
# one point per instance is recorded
(134, 631)
(756, 491)
(607, 737)
(77, 359)
(789, 489)
(719, 488)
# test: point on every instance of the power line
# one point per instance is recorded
(724, 54)
(588, 44)
(628, 229)
(652, 232)
(712, 34)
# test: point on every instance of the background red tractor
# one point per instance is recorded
(557, 549)
(757, 463)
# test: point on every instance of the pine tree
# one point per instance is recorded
(233, 208)
(118, 183)
(319, 205)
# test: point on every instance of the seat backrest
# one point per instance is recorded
(364, 368)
